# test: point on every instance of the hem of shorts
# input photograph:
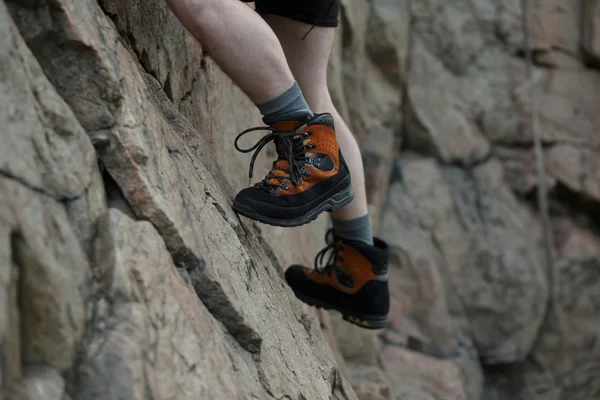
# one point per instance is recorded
(323, 23)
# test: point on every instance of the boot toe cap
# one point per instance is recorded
(295, 276)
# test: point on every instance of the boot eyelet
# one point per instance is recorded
(287, 188)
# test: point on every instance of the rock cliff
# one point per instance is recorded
(125, 274)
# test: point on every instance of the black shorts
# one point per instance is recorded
(313, 12)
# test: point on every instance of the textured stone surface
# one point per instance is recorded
(359, 87)
(50, 160)
(459, 29)
(39, 383)
(443, 79)
(566, 104)
(576, 168)
(434, 122)
(45, 148)
(487, 256)
(166, 50)
(136, 317)
(152, 337)
(156, 172)
(356, 345)
(388, 38)
(555, 26)
(567, 347)
(369, 382)
(421, 377)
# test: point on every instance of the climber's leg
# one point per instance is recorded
(309, 175)
(308, 60)
(243, 45)
(353, 279)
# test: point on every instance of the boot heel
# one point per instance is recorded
(341, 199)
(368, 322)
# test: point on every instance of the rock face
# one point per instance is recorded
(124, 273)
(470, 279)
(113, 287)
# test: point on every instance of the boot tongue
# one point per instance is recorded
(286, 127)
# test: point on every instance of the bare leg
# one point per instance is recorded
(308, 60)
(241, 42)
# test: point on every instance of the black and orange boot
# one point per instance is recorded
(309, 176)
(353, 281)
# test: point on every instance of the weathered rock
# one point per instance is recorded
(509, 25)
(564, 362)
(566, 356)
(39, 383)
(455, 31)
(489, 90)
(45, 148)
(466, 276)
(434, 121)
(557, 59)
(48, 160)
(574, 167)
(354, 22)
(554, 33)
(378, 105)
(566, 102)
(424, 299)
(520, 169)
(577, 168)
(421, 377)
(126, 151)
(370, 102)
(85, 211)
(357, 345)
(53, 275)
(388, 38)
(168, 184)
(157, 340)
(417, 286)
(481, 240)
(492, 83)
(324, 318)
(555, 26)
(369, 382)
(590, 36)
(163, 46)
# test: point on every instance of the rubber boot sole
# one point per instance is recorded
(366, 321)
(332, 203)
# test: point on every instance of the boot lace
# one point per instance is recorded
(332, 251)
(290, 148)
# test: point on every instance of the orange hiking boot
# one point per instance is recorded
(353, 281)
(309, 176)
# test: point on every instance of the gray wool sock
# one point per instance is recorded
(288, 106)
(354, 229)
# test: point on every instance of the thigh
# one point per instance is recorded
(308, 56)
